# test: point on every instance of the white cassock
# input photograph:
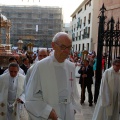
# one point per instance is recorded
(49, 87)
(10, 90)
(107, 107)
(29, 71)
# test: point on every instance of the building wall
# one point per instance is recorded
(94, 39)
(33, 23)
(113, 8)
(67, 28)
(85, 36)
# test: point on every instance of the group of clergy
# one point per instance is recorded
(48, 91)
(12, 87)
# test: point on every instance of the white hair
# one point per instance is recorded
(58, 35)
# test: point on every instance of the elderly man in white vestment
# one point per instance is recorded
(108, 104)
(11, 88)
(42, 53)
(51, 92)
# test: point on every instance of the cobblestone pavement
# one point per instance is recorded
(86, 111)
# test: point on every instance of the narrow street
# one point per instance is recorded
(86, 111)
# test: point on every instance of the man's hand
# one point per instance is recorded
(19, 101)
(84, 75)
(53, 115)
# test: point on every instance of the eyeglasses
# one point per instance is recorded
(63, 47)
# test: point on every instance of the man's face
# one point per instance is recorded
(13, 71)
(86, 63)
(42, 54)
(62, 48)
(26, 62)
(116, 67)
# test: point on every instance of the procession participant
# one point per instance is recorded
(13, 59)
(25, 65)
(11, 88)
(42, 53)
(107, 107)
(51, 90)
(86, 73)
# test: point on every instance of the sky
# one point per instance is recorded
(68, 6)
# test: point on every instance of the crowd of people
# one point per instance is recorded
(46, 88)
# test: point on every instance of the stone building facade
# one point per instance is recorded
(34, 24)
(112, 7)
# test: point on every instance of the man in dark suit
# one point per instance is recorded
(25, 64)
(86, 80)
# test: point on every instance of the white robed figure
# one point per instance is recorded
(52, 86)
(11, 88)
(107, 107)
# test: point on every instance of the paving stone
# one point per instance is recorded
(86, 110)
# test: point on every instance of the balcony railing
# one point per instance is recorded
(86, 35)
(79, 37)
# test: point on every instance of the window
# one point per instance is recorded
(88, 46)
(77, 33)
(90, 3)
(29, 15)
(76, 47)
(89, 18)
(88, 31)
(85, 29)
(19, 15)
(73, 36)
(28, 25)
(81, 23)
(74, 26)
(85, 6)
(50, 26)
(79, 46)
(19, 25)
(73, 47)
(78, 23)
(50, 15)
(80, 36)
(84, 21)
(83, 46)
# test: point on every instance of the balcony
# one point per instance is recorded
(73, 39)
(79, 37)
(76, 38)
(85, 35)
(78, 25)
